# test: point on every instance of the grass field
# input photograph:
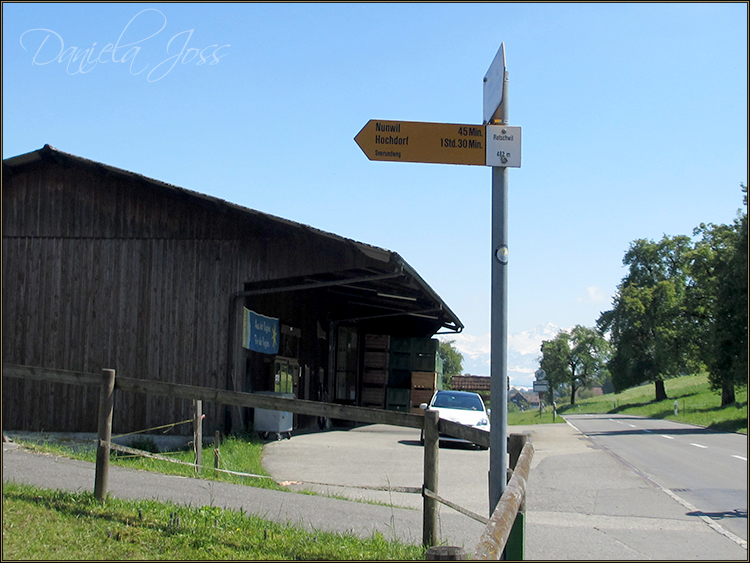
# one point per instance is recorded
(696, 404)
(43, 524)
(57, 525)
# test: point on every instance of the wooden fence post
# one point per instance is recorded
(104, 433)
(198, 433)
(431, 451)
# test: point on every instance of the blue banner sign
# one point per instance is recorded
(260, 333)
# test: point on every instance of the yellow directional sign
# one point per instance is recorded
(413, 141)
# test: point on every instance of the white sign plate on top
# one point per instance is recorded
(503, 146)
(493, 85)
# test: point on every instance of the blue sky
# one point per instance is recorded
(634, 122)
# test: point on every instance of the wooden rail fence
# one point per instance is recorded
(502, 525)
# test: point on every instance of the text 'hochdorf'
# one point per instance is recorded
(390, 139)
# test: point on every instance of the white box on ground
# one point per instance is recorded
(274, 422)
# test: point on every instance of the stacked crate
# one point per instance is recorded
(415, 369)
(375, 374)
(398, 400)
(399, 373)
(423, 387)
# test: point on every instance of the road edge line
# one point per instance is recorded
(713, 525)
(716, 527)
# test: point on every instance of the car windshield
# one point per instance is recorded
(456, 401)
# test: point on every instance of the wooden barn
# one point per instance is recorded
(105, 268)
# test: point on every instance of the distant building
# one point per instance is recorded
(524, 399)
(517, 398)
(475, 383)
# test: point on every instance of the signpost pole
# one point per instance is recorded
(499, 321)
(495, 144)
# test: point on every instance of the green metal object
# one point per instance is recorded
(514, 547)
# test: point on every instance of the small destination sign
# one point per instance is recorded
(413, 141)
(504, 146)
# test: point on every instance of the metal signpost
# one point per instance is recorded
(541, 386)
(495, 97)
(495, 144)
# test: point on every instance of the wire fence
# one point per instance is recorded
(503, 533)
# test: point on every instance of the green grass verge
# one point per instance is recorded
(242, 454)
(55, 525)
(696, 404)
(532, 416)
(236, 453)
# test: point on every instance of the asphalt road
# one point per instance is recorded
(583, 503)
(704, 470)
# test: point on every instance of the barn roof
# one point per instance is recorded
(393, 288)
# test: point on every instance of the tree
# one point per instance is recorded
(452, 361)
(719, 300)
(683, 307)
(576, 359)
(650, 327)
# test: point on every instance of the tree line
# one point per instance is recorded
(681, 308)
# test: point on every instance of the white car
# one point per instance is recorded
(462, 407)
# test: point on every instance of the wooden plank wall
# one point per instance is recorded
(87, 305)
(104, 271)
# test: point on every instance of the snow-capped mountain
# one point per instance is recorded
(523, 352)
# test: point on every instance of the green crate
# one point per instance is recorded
(400, 397)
